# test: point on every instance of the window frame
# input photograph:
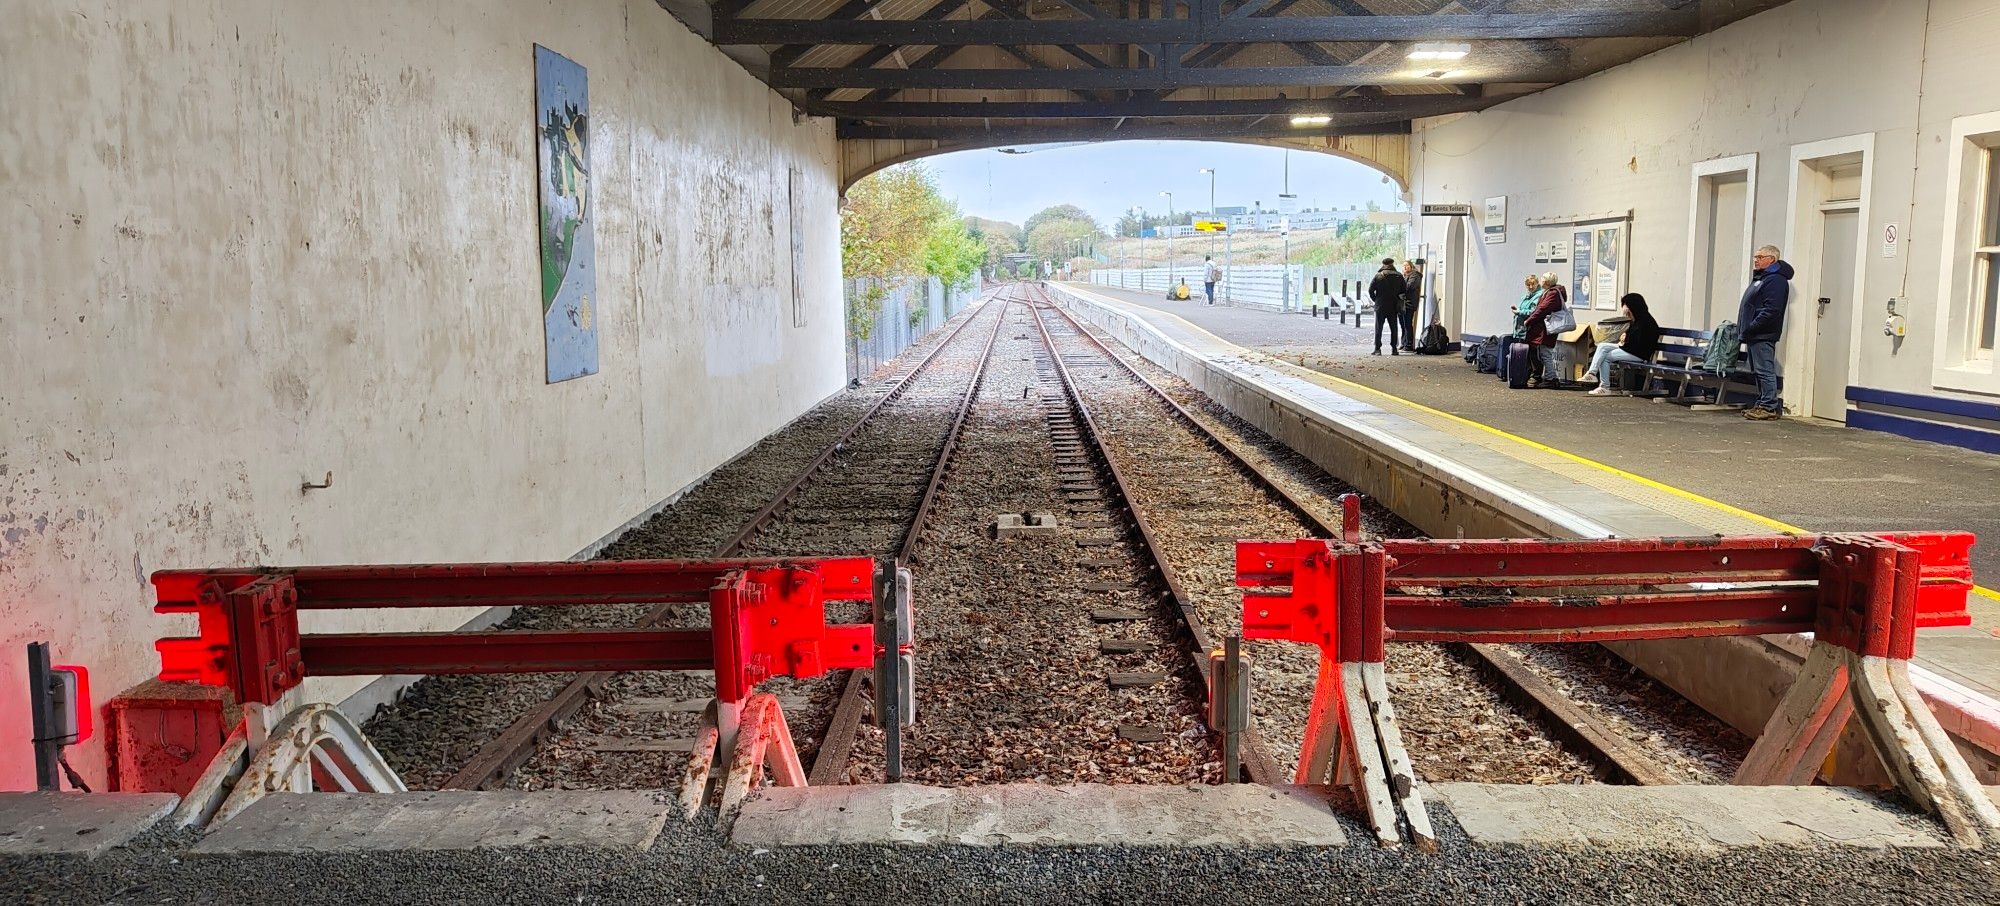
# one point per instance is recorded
(1969, 266)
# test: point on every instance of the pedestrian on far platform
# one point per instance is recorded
(1555, 298)
(1386, 291)
(1760, 318)
(1413, 297)
(1211, 275)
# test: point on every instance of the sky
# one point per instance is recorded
(1109, 179)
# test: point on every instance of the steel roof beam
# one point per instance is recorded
(1226, 30)
(1033, 135)
(1143, 79)
(1376, 106)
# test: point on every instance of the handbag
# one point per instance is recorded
(1560, 321)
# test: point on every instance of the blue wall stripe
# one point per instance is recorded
(1922, 403)
(1918, 429)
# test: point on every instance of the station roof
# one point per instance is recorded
(1023, 71)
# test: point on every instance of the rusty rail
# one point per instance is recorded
(1257, 760)
(521, 739)
(1618, 757)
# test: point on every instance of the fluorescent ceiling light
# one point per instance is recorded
(1312, 119)
(1431, 50)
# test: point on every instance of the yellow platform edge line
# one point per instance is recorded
(1682, 493)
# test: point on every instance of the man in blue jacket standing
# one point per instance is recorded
(1761, 319)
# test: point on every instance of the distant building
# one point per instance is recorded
(1259, 220)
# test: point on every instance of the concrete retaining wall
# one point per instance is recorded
(256, 242)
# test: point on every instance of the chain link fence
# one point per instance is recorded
(907, 311)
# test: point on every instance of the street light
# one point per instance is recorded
(1140, 213)
(1226, 238)
(1169, 196)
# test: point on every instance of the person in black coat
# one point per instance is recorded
(1413, 298)
(1387, 291)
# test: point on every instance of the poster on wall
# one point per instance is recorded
(1494, 226)
(1580, 273)
(1609, 248)
(566, 240)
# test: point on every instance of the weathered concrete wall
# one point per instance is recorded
(256, 241)
(1891, 74)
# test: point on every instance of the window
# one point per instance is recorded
(1986, 280)
(1968, 287)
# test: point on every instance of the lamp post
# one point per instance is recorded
(1140, 213)
(1227, 240)
(1169, 196)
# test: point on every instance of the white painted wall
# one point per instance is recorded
(1631, 137)
(255, 241)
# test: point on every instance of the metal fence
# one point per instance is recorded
(907, 312)
(1256, 285)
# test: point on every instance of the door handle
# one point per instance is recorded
(1823, 303)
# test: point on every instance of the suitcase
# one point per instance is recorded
(1517, 365)
(1500, 357)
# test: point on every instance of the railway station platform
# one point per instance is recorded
(1484, 461)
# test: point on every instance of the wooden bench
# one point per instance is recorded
(1679, 361)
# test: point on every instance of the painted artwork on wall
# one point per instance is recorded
(568, 245)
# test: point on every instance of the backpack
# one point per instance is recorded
(1724, 345)
(1437, 341)
(1486, 358)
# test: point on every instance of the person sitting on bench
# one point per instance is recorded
(1642, 340)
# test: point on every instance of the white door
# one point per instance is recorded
(1833, 336)
(1451, 293)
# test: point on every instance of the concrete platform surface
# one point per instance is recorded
(1808, 472)
(1456, 453)
(1035, 814)
(1679, 817)
(77, 824)
(442, 820)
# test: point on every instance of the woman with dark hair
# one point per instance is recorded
(1642, 339)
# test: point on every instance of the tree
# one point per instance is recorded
(1000, 238)
(1058, 212)
(1058, 240)
(896, 227)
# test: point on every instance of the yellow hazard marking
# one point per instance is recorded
(1687, 495)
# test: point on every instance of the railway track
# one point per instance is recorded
(1152, 491)
(1238, 503)
(869, 491)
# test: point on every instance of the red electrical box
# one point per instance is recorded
(163, 735)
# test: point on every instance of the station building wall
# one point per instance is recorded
(255, 242)
(1886, 102)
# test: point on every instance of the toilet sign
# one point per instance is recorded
(1891, 239)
